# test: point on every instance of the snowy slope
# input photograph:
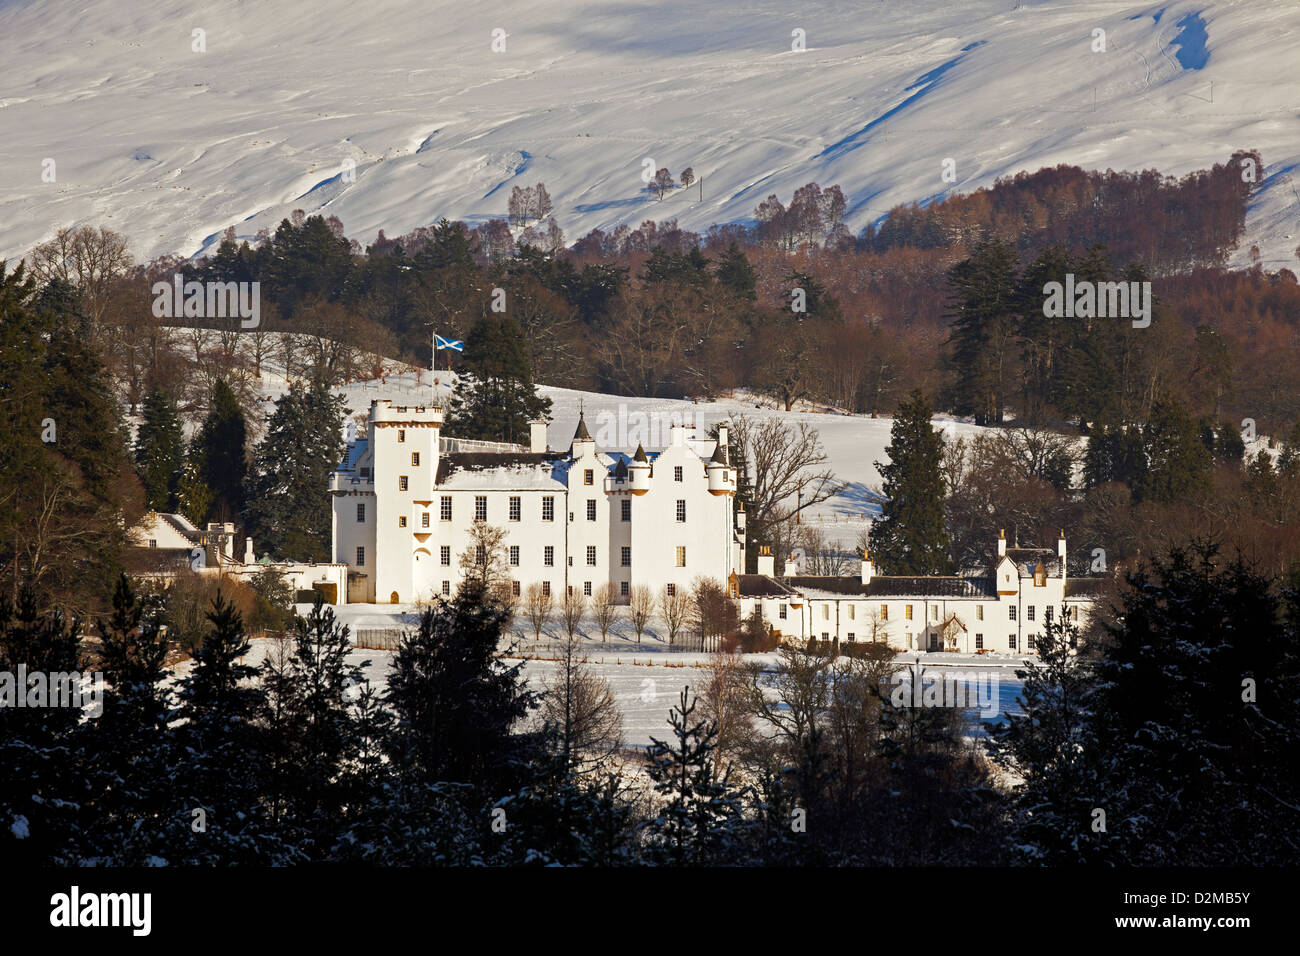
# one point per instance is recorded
(171, 146)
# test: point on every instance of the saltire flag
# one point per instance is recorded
(455, 345)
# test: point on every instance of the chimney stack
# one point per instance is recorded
(248, 550)
(868, 567)
(1002, 542)
(1060, 552)
(766, 562)
(537, 435)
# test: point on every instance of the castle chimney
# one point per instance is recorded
(537, 435)
(1002, 542)
(766, 562)
(868, 567)
(248, 550)
(1060, 552)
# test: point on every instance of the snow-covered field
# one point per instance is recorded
(646, 679)
(392, 113)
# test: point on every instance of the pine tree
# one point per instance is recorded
(1177, 461)
(159, 451)
(1050, 745)
(496, 398)
(289, 505)
(455, 702)
(909, 538)
(983, 293)
(736, 274)
(701, 822)
(221, 443)
(1196, 717)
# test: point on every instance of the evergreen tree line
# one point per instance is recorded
(1167, 740)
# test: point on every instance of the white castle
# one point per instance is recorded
(406, 501)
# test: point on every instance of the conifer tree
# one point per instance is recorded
(220, 444)
(983, 294)
(289, 505)
(736, 274)
(700, 822)
(496, 398)
(910, 538)
(159, 451)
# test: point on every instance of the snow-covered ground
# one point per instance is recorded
(646, 678)
(392, 113)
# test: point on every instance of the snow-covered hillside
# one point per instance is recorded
(170, 146)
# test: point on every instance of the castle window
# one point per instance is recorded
(852, 636)
(1011, 612)
(1047, 614)
(516, 508)
(591, 509)
(623, 588)
(587, 477)
(907, 612)
(681, 509)
(591, 554)
(627, 510)
(401, 434)
(934, 612)
(445, 504)
(625, 559)
(424, 519)
(480, 555)
(514, 588)
(514, 555)
(1029, 614)
(401, 521)
(444, 555)
(672, 590)
(1011, 641)
(415, 459)
(1029, 642)
(852, 612)
(548, 556)
(446, 587)
(361, 513)
(480, 507)
(677, 473)
(826, 612)
(780, 611)
(979, 612)
(361, 557)
(153, 542)
(546, 587)
(884, 612)
(548, 508)
(979, 642)
(401, 483)
(586, 588)
(681, 555)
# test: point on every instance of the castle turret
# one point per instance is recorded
(581, 438)
(639, 472)
(719, 473)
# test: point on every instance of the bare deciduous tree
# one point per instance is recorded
(723, 700)
(484, 558)
(572, 608)
(786, 474)
(539, 603)
(90, 259)
(642, 604)
(675, 606)
(579, 709)
(604, 607)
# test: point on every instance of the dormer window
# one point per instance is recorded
(1040, 576)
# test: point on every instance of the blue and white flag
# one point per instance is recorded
(456, 345)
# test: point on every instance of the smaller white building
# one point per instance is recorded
(1003, 610)
(168, 544)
